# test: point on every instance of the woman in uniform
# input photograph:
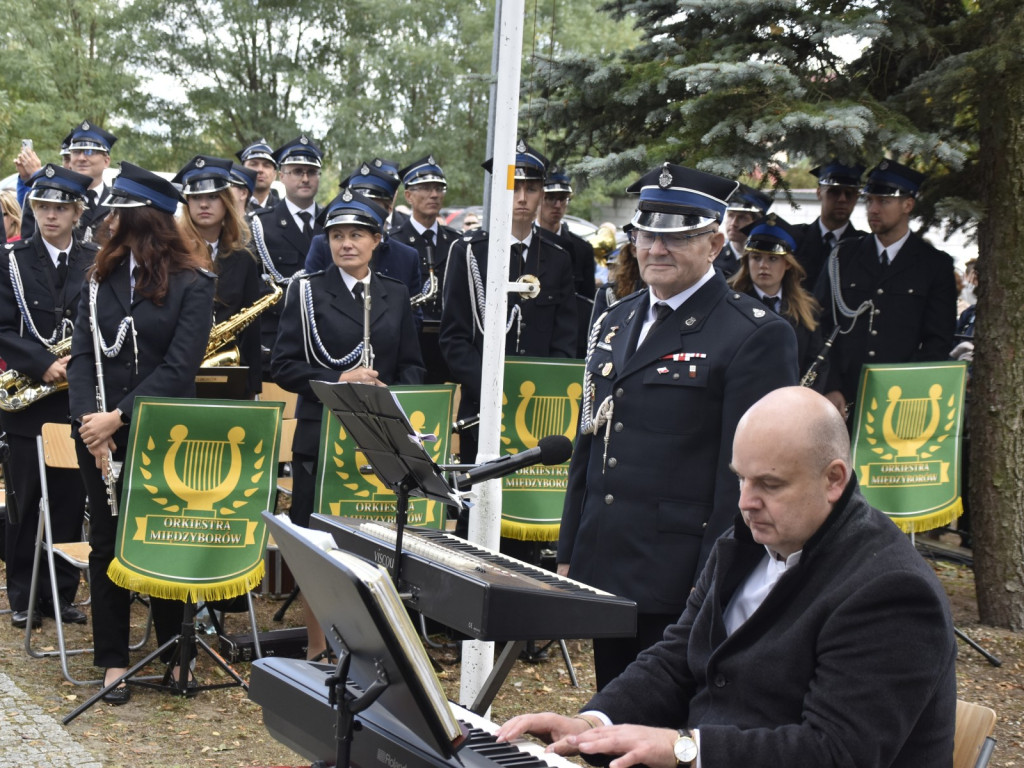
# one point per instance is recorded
(40, 281)
(212, 220)
(769, 271)
(153, 300)
(320, 337)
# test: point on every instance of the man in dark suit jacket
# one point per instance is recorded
(38, 309)
(259, 157)
(838, 191)
(289, 227)
(905, 288)
(544, 326)
(425, 187)
(816, 635)
(649, 483)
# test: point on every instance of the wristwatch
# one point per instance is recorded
(685, 749)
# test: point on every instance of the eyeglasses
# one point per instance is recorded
(87, 152)
(673, 241)
(311, 173)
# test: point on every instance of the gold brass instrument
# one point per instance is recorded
(603, 242)
(423, 298)
(18, 392)
(221, 349)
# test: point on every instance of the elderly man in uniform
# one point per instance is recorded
(425, 187)
(816, 635)
(554, 204)
(898, 293)
(838, 190)
(669, 372)
(289, 227)
(746, 205)
(259, 157)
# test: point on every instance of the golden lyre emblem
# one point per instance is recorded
(538, 416)
(203, 472)
(909, 423)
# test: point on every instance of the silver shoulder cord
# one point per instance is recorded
(62, 329)
(590, 420)
(312, 343)
(256, 227)
(477, 298)
(127, 322)
(839, 305)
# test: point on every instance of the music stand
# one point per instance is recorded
(223, 382)
(381, 657)
(380, 429)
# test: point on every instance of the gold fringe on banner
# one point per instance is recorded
(938, 519)
(178, 590)
(529, 531)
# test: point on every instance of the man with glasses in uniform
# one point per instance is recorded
(838, 191)
(668, 375)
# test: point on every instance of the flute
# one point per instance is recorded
(366, 360)
(109, 476)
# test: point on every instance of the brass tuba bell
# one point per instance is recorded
(603, 242)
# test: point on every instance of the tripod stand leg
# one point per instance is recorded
(993, 660)
(288, 601)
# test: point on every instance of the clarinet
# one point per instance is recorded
(812, 371)
(366, 359)
(101, 405)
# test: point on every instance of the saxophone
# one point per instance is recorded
(18, 392)
(221, 349)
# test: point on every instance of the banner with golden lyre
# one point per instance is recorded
(541, 398)
(341, 489)
(907, 441)
(198, 476)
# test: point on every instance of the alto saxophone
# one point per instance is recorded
(221, 349)
(18, 392)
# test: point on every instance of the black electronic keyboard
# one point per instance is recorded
(296, 712)
(482, 593)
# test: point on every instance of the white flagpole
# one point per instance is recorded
(485, 519)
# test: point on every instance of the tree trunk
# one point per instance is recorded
(997, 388)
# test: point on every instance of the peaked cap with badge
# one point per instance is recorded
(423, 171)
(135, 187)
(204, 175)
(374, 182)
(530, 164)
(772, 234)
(58, 184)
(892, 179)
(558, 181)
(258, 150)
(677, 199)
(750, 200)
(835, 174)
(351, 207)
(86, 136)
(299, 151)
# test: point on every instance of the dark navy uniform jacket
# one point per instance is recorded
(914, 313)
(239, 285)
(548, 326)
(811, 251)
(339, 320)
(406, 234)
(49, 308)
(172, 339)
(641, 523)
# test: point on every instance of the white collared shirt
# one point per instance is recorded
(755, 589)
(891, 250)
(295, 211)
(350, 282)
(55, 252)
(673, 301)
(420, 229)
(836, 233)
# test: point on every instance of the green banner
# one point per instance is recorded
(907, 441)
(340, 487)
(198, 475)
(541, 397)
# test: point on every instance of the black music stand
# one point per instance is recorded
(223, 382)
(377, 661)
(380, 429)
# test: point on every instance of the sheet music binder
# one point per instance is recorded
(356, 599)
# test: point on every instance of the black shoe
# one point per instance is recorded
(118, 696)
(68, 614)
(533, 653)
(19, 619)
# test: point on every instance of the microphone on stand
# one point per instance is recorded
(553, 449)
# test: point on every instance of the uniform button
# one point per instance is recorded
(124, 389)
(609, 499)
(719, 681)
(878, 312)
(704, 525)
(618, 426)
(874, 332)
(871, 353)
(620, 392)
(880, 291)
(67, 312)
(35, 303)
(911, 290)
(612, 461)
(675, 375)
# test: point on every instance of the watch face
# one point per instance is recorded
(685, 750)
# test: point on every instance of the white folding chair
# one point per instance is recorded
(56, 448)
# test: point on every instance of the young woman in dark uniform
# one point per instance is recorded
(212, 220)
(154, 303)
(40, 281)
(320, 338)
(770, 271)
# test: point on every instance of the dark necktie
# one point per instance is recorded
(307, 227)
(517, 252)
(772, 302)
(428, 237)
(830, 241)
(92, 198)
(357, 291)
(883, 259)
(62, 270)
(135, 279)
(661, 311)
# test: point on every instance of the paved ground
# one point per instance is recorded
(30, 737)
